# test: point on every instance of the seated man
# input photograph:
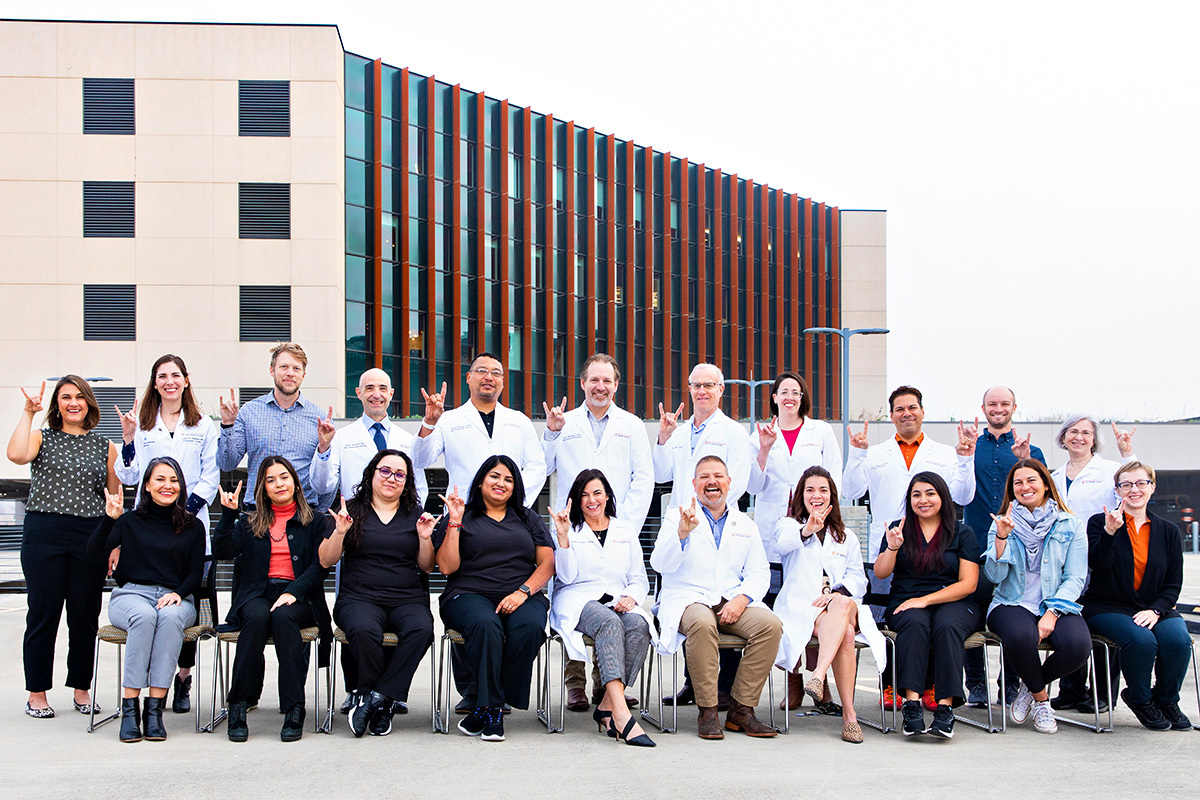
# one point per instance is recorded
(710, 588)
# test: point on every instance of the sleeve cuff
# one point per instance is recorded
(127, 453)
(195, 503)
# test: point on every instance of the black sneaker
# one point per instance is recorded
(363, 715)
(1148, 714)
(1173, 715)
(293, 724)
(472, 724)
(236, 726)
(493, 729)
(943, 722)
(1085, 706)
(381, 723)
(181, 703)
(1063, 702)
(465, 706)
(977, 695)
(399, 707)
(914, 717)
(350, 702)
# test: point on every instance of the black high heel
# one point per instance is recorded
(641, 740)
(602, 722)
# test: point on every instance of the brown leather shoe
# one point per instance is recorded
(741, 718)
(708, 724)
(577, 700)
(795, 687)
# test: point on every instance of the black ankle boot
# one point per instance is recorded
(130, 719)
(182, 701)
(236, 726)
(293, 724)
(152, 722)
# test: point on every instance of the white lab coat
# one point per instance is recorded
(816, 446)
(804, 563)
(462, 438)
(623, 456)
(587, 570)
(880, 470)
(1093, 487)
(675, 461)
(352, 449)
(193, 446)
(698, 572)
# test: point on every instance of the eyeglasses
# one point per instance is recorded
(387, 473)
(495, 373)
(1125, 486)
(790, 393)
(707, 386)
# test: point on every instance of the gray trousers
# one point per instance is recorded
(622, 641)
(154, 636)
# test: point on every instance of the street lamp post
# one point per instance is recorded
(752, 385)
(846, 333)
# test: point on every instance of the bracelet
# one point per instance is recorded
(425, 424)
(893, 549)
(453, 524)
(1002, 538)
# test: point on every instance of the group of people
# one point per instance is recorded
(789, 581)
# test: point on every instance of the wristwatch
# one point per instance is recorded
(528, 592)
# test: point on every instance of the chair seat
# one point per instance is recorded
(454, 636)
(111, 634)
(306, 635)
(198, 632)
(728, 641)
(981, 639)
(389, 639)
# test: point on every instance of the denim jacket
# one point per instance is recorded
(1064, 567)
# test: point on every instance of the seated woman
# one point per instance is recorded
(600, 585)
(387, 542)
(1037, 557)
(936, 565)
(496, 556)
(162, 561)
(279, 592)
(823, 585)
(1137, 571)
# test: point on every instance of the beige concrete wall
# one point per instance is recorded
(864, 305)
(186, 160)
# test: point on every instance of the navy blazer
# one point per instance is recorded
(1110, 558)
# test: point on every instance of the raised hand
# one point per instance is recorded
(816, 520)
(1115, 519)
(342, 521)
(455, 505)
(689, 518)
(229, 410)
(1124, 440)
(325, 432)
(859, 440)
(1021, 448)
(556, 417)
(114, 504)
(967, 437)
(668, 422)
(230, 499)
(34, 404)
(562, 523)
(129, 423)
(1005, 524)
(435, 405)
(895, 537)
(767, 434)
(425, 525)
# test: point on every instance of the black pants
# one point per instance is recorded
(364, 623)
(57, 572)
(187, 654)
(283, 625)
(500, 647)
(1017, 628)
(934, 634)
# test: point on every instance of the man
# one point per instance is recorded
(340, 460)
(708, 589)
(598, 435)
(996, 450)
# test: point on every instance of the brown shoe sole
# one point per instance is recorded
(767, 734)
(717, 735)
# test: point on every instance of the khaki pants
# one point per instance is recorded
(759, 627)
(577, 676)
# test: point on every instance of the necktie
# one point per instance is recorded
(380, 439)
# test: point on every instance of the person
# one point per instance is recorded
(170, 423)
(785, 448)
(340, 460)
(71, 469)
(1037, 559)
(1137, 573)
(934, 565)
(385, 539)
(714, 575)
(602, 436)
(823, 586)
(1085, 482)
(280, 590)
(159, 572)
(497, 556)
(282, 422)
(996, 450)
(600, 584)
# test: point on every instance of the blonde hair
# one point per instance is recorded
(292, 349)
(1130, 467)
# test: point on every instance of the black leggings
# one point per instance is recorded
(1017, 628)
(934, 637)
(388, 671)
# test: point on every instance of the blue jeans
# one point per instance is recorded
(1163, 649)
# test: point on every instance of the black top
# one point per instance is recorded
(495, 558)
(489, 420)
(384, 569)
(907, 583)
(152, 553)
(1111, 561)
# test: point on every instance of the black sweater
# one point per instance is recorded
(152, 554)
(1110, 558)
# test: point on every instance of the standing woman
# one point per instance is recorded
(170, 424)
(1037, 557)
(280, 591)
(162, 561)
(824, 583)
(385, 541)
(936, 566)
(601, 584)
(71, 468)
(496, 556)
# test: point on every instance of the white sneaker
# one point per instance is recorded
(1043, 717)
(1018, 712)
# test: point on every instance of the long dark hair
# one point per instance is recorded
(152, 401)
(360, 504)
(799, 512)
(516, 501)
(180, 516)
(928, 558)
(576, 495)
(805, 401)
(263, 515)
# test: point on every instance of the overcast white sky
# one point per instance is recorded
(1038, 161)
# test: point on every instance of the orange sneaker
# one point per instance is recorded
(890, 702)
(928, 700)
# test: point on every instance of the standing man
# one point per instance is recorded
(598, 435)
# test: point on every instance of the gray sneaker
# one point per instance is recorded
(1018, 712)
(1043, 717)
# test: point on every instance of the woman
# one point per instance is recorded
(71, 469)
(496, 556)
(170, 424)
(786, 448)
(1137, 572)
(280, 589)
(823, 586)
(162, 561)
(936, 565)
(600, 585)
(385, 542)
(1037, 557)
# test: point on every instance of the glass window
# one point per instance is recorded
(467, 104)
(358, 181)
(357, 81)
(357, 225)
(515, 184)
(391, 237)
(358, 135)
(417, 94)
(418, 247)
(356, 278)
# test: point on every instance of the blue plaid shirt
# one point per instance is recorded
(264, 429)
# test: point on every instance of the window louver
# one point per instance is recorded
(264, 108)
(264, 211)
(108, 106)
(110, 313)
(248, 393)
(266, 313)
(108, 209)
(107, 397)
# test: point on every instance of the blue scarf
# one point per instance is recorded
(1031, 528)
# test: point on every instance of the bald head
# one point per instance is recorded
(375, 392)
(999, 403)
(374, 376)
